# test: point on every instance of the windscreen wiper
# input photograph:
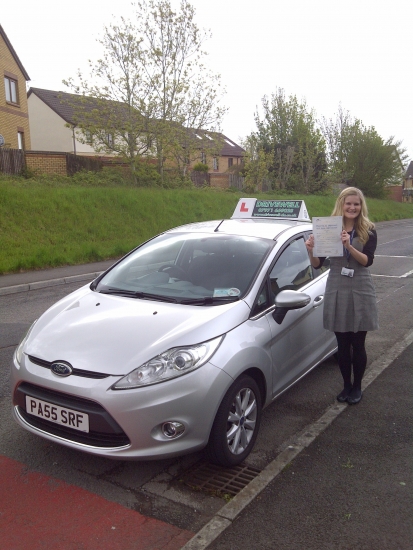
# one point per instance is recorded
(138, 294)
(209, 300)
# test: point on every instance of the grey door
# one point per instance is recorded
(300, 341)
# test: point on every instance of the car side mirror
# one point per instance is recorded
(286, 300)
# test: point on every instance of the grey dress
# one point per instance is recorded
(350, 302)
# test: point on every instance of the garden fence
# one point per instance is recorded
(12, 161)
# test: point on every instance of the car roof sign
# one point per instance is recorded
(269, 208)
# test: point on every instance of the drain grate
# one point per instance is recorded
(218, 480)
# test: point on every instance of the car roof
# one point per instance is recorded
(256, 227)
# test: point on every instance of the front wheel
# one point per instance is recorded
(236, 424)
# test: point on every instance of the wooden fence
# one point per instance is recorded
(75, 163)
(235, 181)
(200, 179)
(12, 161)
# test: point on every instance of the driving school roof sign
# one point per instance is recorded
(257, 208)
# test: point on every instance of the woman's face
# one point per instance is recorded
(351, 207)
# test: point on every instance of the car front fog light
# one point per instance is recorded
(172, 430)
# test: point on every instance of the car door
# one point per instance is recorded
(300, 340)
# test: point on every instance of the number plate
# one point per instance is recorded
(58, 415)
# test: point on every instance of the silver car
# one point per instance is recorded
(180, 344)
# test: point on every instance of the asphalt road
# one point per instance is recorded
(155, 488)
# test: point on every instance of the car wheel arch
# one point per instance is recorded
(259, 378)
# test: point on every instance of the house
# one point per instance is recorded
(408, 184)
(229, 154)
(52, 124)
(14, 115)
(53, 128)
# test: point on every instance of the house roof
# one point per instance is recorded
(229, 147)
(61, 103)
(409, 171)
(14, 54)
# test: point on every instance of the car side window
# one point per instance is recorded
(323, 268)
(263, 301)
(292, 270)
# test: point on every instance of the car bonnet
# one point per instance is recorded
(114, 335)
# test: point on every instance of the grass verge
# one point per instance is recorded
(56, 222)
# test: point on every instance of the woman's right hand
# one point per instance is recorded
(309, 243)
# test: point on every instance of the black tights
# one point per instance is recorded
(351, 350)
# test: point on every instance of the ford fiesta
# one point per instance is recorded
(180, 344)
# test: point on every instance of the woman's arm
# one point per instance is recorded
(315, 261)
(365, 258)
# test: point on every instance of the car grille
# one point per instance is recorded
(104, 430)
(75, 372)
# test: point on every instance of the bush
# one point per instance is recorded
(173, 179)
(200, 167)
(146, 175)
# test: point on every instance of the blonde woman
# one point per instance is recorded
(350, 308)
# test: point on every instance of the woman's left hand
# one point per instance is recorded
(345, 239)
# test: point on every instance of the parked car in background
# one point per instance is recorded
(181, 343)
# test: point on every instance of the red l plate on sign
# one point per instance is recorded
(243, 209)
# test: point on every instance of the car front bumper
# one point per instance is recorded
(125, 424)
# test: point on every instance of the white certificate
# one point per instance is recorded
(327, 236)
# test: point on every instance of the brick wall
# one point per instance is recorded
(220, 180)
(54, 162)
(395, 193)
(46, 162)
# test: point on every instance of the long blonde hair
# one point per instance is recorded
(362, 225)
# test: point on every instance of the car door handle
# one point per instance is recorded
(318, 301)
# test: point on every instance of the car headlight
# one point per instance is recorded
(170, 364)
(20, 347)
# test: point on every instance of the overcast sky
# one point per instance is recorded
(355, 52)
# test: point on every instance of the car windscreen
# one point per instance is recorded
(188, 268)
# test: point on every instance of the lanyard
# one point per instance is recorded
(347, 252)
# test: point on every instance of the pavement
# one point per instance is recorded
(349, 486)
(31, 280)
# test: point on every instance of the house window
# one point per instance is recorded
(109, 138)
(20, 140)
(203, 158)
(230, 162)
(88, 137)
(10, 86)
(215, 165)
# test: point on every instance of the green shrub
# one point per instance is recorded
(200, 167)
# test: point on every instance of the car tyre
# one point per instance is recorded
(236, 423)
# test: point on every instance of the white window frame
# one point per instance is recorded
(11, 89)
(20, 140)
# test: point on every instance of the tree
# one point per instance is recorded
(183, 93)
(113, 113)
(256, 163)
(359, 156)
(151, 88)
(288, 134)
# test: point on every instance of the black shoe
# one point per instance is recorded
(355, 396)
(344, 395)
